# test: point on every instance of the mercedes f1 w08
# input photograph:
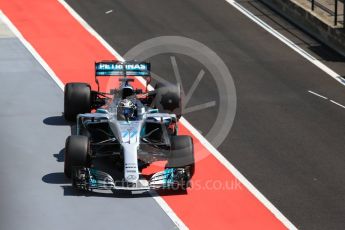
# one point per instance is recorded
(135, 126)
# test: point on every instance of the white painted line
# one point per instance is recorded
(239, 175)
(109, 11)
(91, 30)
(166, 208)
(160, 201)
(202, 140)
(288, 42)
(323, 97)
(316, 94)
(334, 102)
(40, 60)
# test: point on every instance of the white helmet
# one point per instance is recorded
(126, 108)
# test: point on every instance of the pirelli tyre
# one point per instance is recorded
(77, 153)
(168, 99)
(77, 100)
(182, 154)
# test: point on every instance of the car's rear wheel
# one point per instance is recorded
(77, 100)
(168, 99)
(182, 154)
(77, 153)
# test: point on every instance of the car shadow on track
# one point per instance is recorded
(60, 121)
(56, 121)
(60, 156)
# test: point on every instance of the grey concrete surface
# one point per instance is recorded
(287, 142)
(34, 193)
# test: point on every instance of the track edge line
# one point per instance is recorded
(196, 133)
(31, 49)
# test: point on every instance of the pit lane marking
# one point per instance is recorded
(334, 102)
(326, 98)
(231, 168)
(287, 42)
(160, 201)
(32, 50)
(316, 94)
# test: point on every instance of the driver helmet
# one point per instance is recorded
(126, 108)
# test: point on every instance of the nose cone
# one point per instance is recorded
(131, 162)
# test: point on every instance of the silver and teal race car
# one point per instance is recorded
(135, 127)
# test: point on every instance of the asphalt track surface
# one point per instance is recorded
(286, 141)
(34, 194)
(68, 50)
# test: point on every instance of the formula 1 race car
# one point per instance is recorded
(136, 127)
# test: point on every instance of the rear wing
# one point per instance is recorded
(123, 70)
(116, 68)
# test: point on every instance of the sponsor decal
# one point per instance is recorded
(131, 177)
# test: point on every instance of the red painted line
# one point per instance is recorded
(217, 200)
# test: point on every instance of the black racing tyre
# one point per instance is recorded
(182, 154)
(168, 99)
(77, 100)
(77, 153)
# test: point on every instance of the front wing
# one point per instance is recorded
(89, 179)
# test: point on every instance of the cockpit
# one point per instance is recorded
(129, 109)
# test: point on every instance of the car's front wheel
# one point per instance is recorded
(182, 154)
(77, 153)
